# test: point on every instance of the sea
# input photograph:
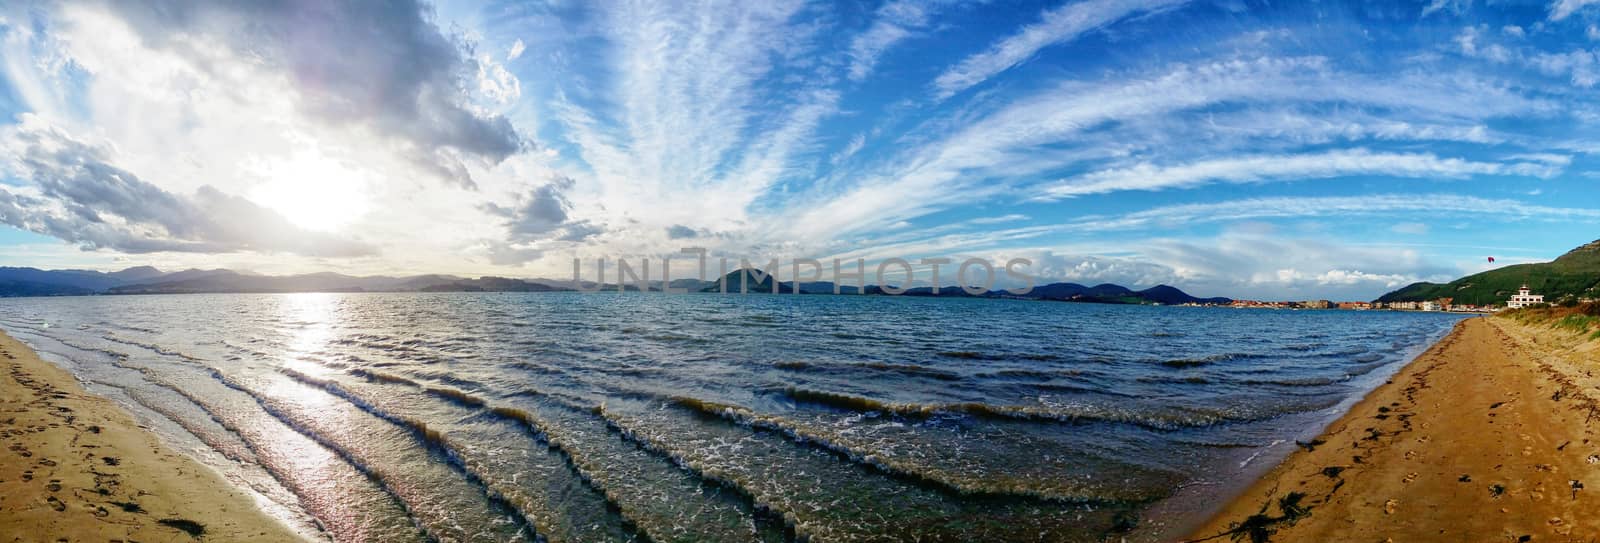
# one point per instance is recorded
(705, 417)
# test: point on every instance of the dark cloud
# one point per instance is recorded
(84, 199)
(543, 215)
(678, 231)
(384, 64)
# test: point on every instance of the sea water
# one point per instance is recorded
(704, 417)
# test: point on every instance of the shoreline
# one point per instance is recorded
(78, 466)
(1488, 435)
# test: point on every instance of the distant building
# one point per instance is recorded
(1315, 304)
(1524, 298)
(1360, 306)
(1430, 306)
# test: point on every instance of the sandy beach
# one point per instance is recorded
(1487, 436)
(77, 467)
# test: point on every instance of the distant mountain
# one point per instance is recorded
(491, 284)
(1576, 274)
(232, 281)
(84, 281)
(737, 280)
(80, 279)
(139, 273)
(1071, 292)
(148, 280)
(12, 287)
(1172, 296)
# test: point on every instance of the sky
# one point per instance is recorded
(1292, 150)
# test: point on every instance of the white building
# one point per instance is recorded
(1431, 306)
(1523, 298)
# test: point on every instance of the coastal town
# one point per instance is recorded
(1523, 298)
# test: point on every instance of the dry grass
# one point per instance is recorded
(1583, 318)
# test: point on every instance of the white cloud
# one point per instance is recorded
(1410, 228)
(1036, 133)
(1582, 65)
(80, 196)
(1453, 6)
(516, 51)
(1290, 268)
(1335, 206)
(999, 219)
(1059, 25)
(1263, 168)
(1561, 9)
(396, 80)
(896, 21)
(687, 96)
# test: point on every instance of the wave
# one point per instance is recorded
(1041, 375)
(1164, 418)
(1294, 381)
(995, 483)
(263, 443)
(904, 369)
(1176, 380)
(1212, 359)
(968, 355)
(383, 377)
(457, 396)
(442, 527)
(535, 367)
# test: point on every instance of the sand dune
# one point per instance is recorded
(1487, 436)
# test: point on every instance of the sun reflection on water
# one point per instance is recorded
(309, 320)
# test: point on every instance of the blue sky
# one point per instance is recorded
(1246, 149)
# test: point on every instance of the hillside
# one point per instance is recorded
(1576, 274)
(12, 288)
(148, 280)
(1106, 293)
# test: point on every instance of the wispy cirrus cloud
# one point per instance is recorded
(1058, 25)
(1561, 9)
(1264, 168)
(895, 22)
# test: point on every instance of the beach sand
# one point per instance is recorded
(76, 467)
(1489, 435)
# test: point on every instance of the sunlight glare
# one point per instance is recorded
(313, 191)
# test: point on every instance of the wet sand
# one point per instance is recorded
(76, 467)
(1489, 435)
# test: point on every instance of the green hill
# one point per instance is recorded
(1576, 274)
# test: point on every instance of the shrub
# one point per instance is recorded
(1577, 323)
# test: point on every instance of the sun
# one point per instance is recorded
(312, 191)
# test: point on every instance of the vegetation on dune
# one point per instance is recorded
(1578, 318)
(1573, 276)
